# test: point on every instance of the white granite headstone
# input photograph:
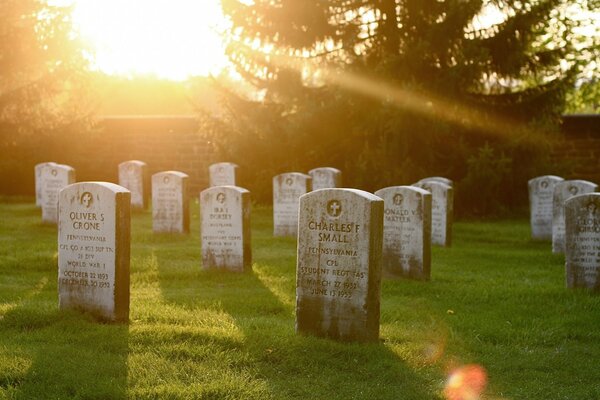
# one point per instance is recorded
(541, 191)
(582, 241)
(54, 177)
(133, 176)
(406, 232)
(38, 181)
(222, 174)
(562, 192)
(325, 178)
(225, 228)
(442, 211)
(170, 202)
(447, 181)
(93, 249)
(338, 280)
(287, 189)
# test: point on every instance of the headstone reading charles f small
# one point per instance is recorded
(442, 211)
(38, 181)
(541, 191)
(406, 232)
(54, 177)
(93, 249)
(339, 264)
(447, 181)
(225, 228)
(222, 174)
(325, 178)
(562, 192)
(133, 176)
(582, 241)
(287, 189)
(170, 202)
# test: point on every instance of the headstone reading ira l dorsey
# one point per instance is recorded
(582, 236)
(93, 249)
(562, 192)
(225, 228)
(287, 189)
(38, 181)
(338, 280)
(54, 178)
(133, 176)
(170, 202)
(325, 178)
(541, 191)
(406, 232)
(222, 174)
(442, 211)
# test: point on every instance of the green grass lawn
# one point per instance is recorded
(496, 299)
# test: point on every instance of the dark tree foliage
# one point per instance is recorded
(393, 90)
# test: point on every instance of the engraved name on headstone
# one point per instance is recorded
(582, 239)
(562, 192)
(406, 232)
(222, 174)
(133, 176)
(170, 202)
(442, 211)
(225, 228)
(338, 278)
(541, 191)
(325, 178)
(54, 177)
(38, 181)
(287, 189)
(93, 249)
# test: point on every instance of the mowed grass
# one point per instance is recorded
(496, 299)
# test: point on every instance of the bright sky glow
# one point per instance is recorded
(170, 39)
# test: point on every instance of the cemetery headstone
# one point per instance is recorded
(541, 192)
(38, 181)
(325, 178)
(221, 174)
(406, 232)
(225, 228)
(582, 239)
(93, 249)
(133, 176)
(442, 211)
(562, 192)
(338, 278)
(447, 181)
(170, 202)
(54, 177)
(287, 189)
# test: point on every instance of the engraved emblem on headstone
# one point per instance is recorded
(54, 172)
(166, 179)
(221, 198)
(289, 181)
(398, 199)
(573, 190)
(592, 207)
(544, 184)
(86, 199)
(334, 208)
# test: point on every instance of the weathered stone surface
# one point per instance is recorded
(225, 228)
(541, 192)
(442, 211)
(170, 202)
(582, 239)
(38, 181)
(562, 192)
(325, 178)
(93, 249)
(339, 264)
(222, 174)
(406, 232)
(447, 181)
(287, 189)
(133, 176)
(54, 177)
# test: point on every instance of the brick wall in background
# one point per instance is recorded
(578, 150)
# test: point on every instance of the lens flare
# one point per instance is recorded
(466, 383)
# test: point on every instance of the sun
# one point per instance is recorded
(168, 39)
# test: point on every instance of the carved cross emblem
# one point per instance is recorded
(221, 197)
(398, 198)
(334, 208)
(86, 199)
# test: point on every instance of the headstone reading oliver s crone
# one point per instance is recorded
(582, 237)
(287, 189)
(38, 181)
(325, 178)
(541, 191)
(93, 249)
(133, 176)
(562, 192)
(339, 264)
(170, 202)
(221, 174)
(225, 228)
(442, 211)
(406, 232)
(54, 178)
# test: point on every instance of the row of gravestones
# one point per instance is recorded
(568, 213)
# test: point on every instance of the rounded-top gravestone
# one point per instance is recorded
(562, 192)
(442, 211)
(541, 192)
(54, 178)
(133, 175)
(325, 178)
(222, 174)
(287, 189)
(38, 181)
(170, 202)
